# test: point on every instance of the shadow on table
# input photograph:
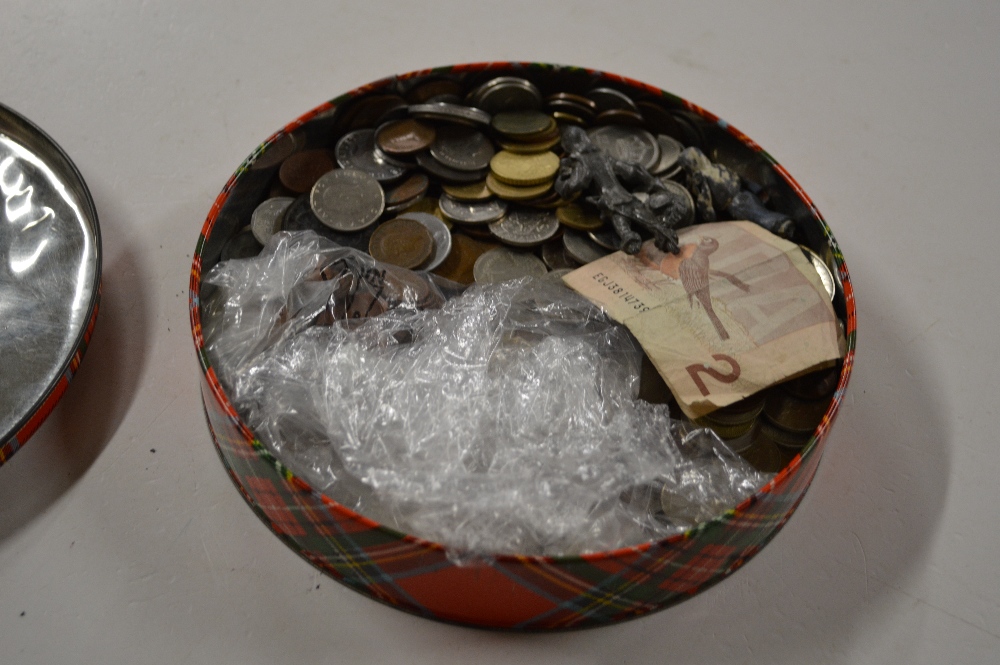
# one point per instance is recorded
(100, 394)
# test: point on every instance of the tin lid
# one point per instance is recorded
(50, 269)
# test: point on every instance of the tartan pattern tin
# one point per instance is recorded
(525, 593)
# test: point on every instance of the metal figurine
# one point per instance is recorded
(717, 188)
(586, 167)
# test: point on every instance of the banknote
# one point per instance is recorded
(737, 310)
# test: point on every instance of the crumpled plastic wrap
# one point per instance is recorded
(499, 420)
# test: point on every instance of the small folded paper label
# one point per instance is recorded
(736, 311)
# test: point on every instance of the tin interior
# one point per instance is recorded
(50, 267)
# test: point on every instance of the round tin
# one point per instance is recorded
(526, 593)
(50, 272)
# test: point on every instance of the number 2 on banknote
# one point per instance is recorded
(697, 370)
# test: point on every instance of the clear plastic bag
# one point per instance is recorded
(499, 420)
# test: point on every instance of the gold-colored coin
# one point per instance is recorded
(527, 148)
(523, 125)
(578, 217)
(524, 170)
(476, 191)
(569, 118)
(512, 193)
(430, 206)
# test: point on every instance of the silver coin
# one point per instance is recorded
(606, 238)
(670, 152)
(501, 264)
(507, 93)
(266, 218)
(609, 99)
(472, 212)
(580, 248)
(555, 257)
(427, 162)
(452, 112)
(526, 227)
(356, 150)
(684, 198)
(632, 145)
(440, 233)
(462, 148)
(347, 200)
(825, 274)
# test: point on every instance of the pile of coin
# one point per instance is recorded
(473, 168)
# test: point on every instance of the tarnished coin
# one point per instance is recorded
(627, 144)
(402, 242)
(525, 227)
(462, 148)
(607, 99)
(451, 112)
(619, 117)
(502, 264)
(301, 171)
(506, 93)
(280, 150)
(459, 264)
(404, 137)
(347, 200)
(369, 112)
(512, 193)
(266, 218)
(579, 218)
(427, 90)
(243, 245)
(472, 212)
(356, 150)
(563, 118)
(670, 152)
(523, 125)
(476, 191)
(582, 249)
(300, 217)
(580, 100)
(682, 197)
(555, 257)
(524, 170)
(407, 192)
(427, 162)
(571, 107)
(439, 231)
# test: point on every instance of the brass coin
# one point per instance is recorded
(524, 148)
(523, 125)
(568, 119)
(299, 172)
(524, 170)
(511, 193)
(476, 191)
(459, 264)
(404, 137)
(401, 242)
(579, 218)
(763, 454)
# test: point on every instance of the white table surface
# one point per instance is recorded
(888, 116)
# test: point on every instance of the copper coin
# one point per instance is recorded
(407, 192)
(476, 191)
(301, 171)
(576, 99)
(404, 137)
(402, 242)
(459, 264)
(370, 111)
(278, 151)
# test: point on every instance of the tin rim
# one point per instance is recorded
(789, 469)
(22, 430)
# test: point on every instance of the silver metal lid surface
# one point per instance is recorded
(50, 269)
